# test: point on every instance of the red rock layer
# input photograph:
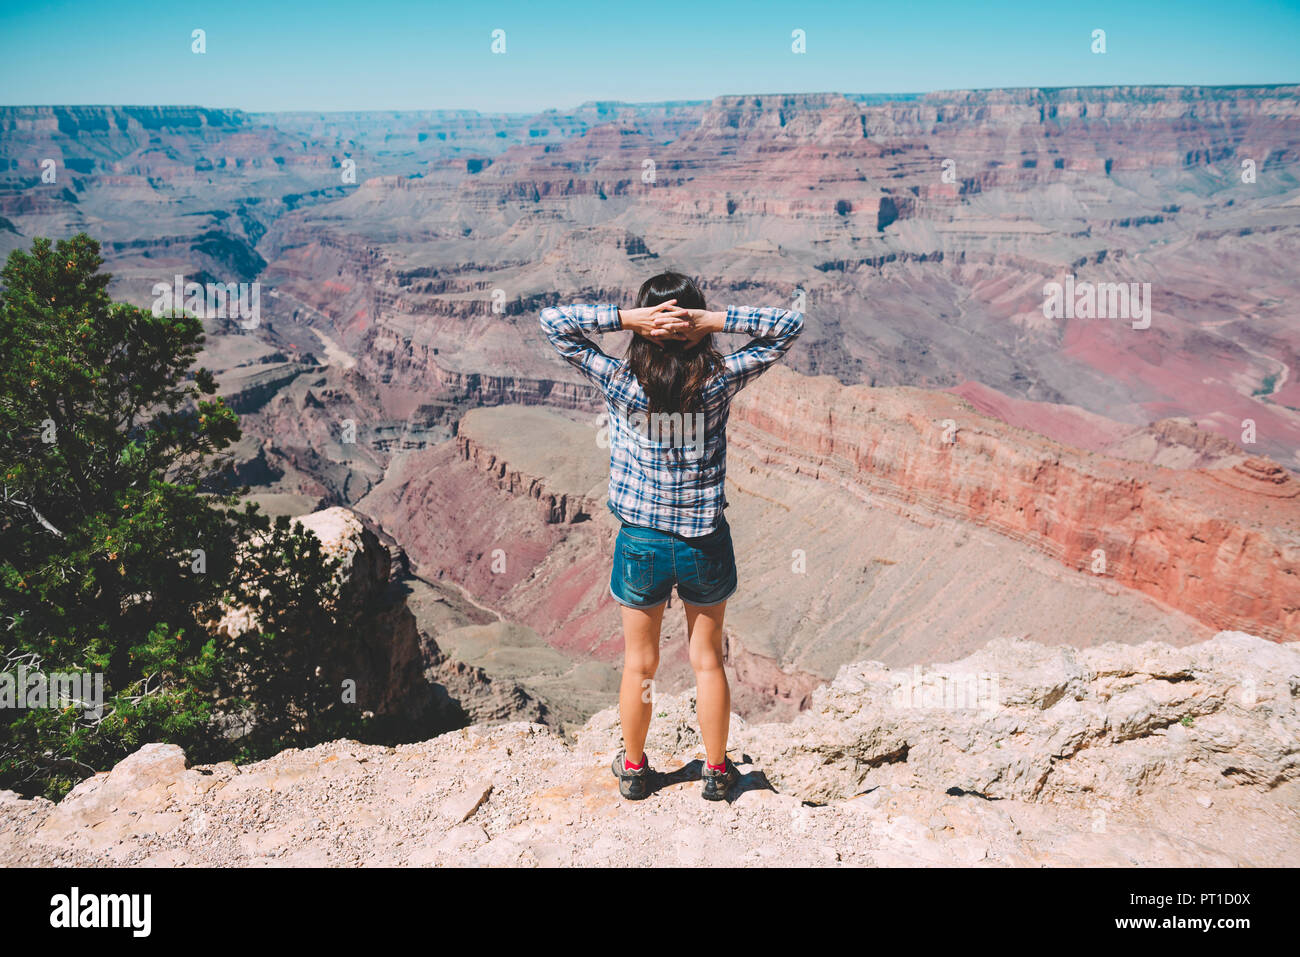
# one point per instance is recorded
(1222, 545)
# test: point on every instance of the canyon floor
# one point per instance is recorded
(1110, 756)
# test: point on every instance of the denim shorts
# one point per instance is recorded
(648, 562)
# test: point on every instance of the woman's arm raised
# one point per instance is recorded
(774, 331)
(564, 327)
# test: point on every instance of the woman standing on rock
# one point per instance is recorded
(668, 400)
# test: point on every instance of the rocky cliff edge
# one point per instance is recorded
(1017, 755)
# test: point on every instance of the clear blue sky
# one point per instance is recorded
(386, 54)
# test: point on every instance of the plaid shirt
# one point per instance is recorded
(668, 472)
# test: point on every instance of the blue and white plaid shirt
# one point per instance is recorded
(669, 472)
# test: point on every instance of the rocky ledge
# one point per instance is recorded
(1022, 755)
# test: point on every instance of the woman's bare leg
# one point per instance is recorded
(712, 693)
(640, 662)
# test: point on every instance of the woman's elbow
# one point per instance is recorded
(552, 322)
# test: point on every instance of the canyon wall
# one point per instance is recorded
(1222, 545)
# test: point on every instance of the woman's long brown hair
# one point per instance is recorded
(673, 374)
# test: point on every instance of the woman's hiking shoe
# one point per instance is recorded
(633, 785)
(717, 783)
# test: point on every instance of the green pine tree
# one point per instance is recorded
(113, 557)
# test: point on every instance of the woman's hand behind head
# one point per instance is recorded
(683, 325)
(645, 321)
